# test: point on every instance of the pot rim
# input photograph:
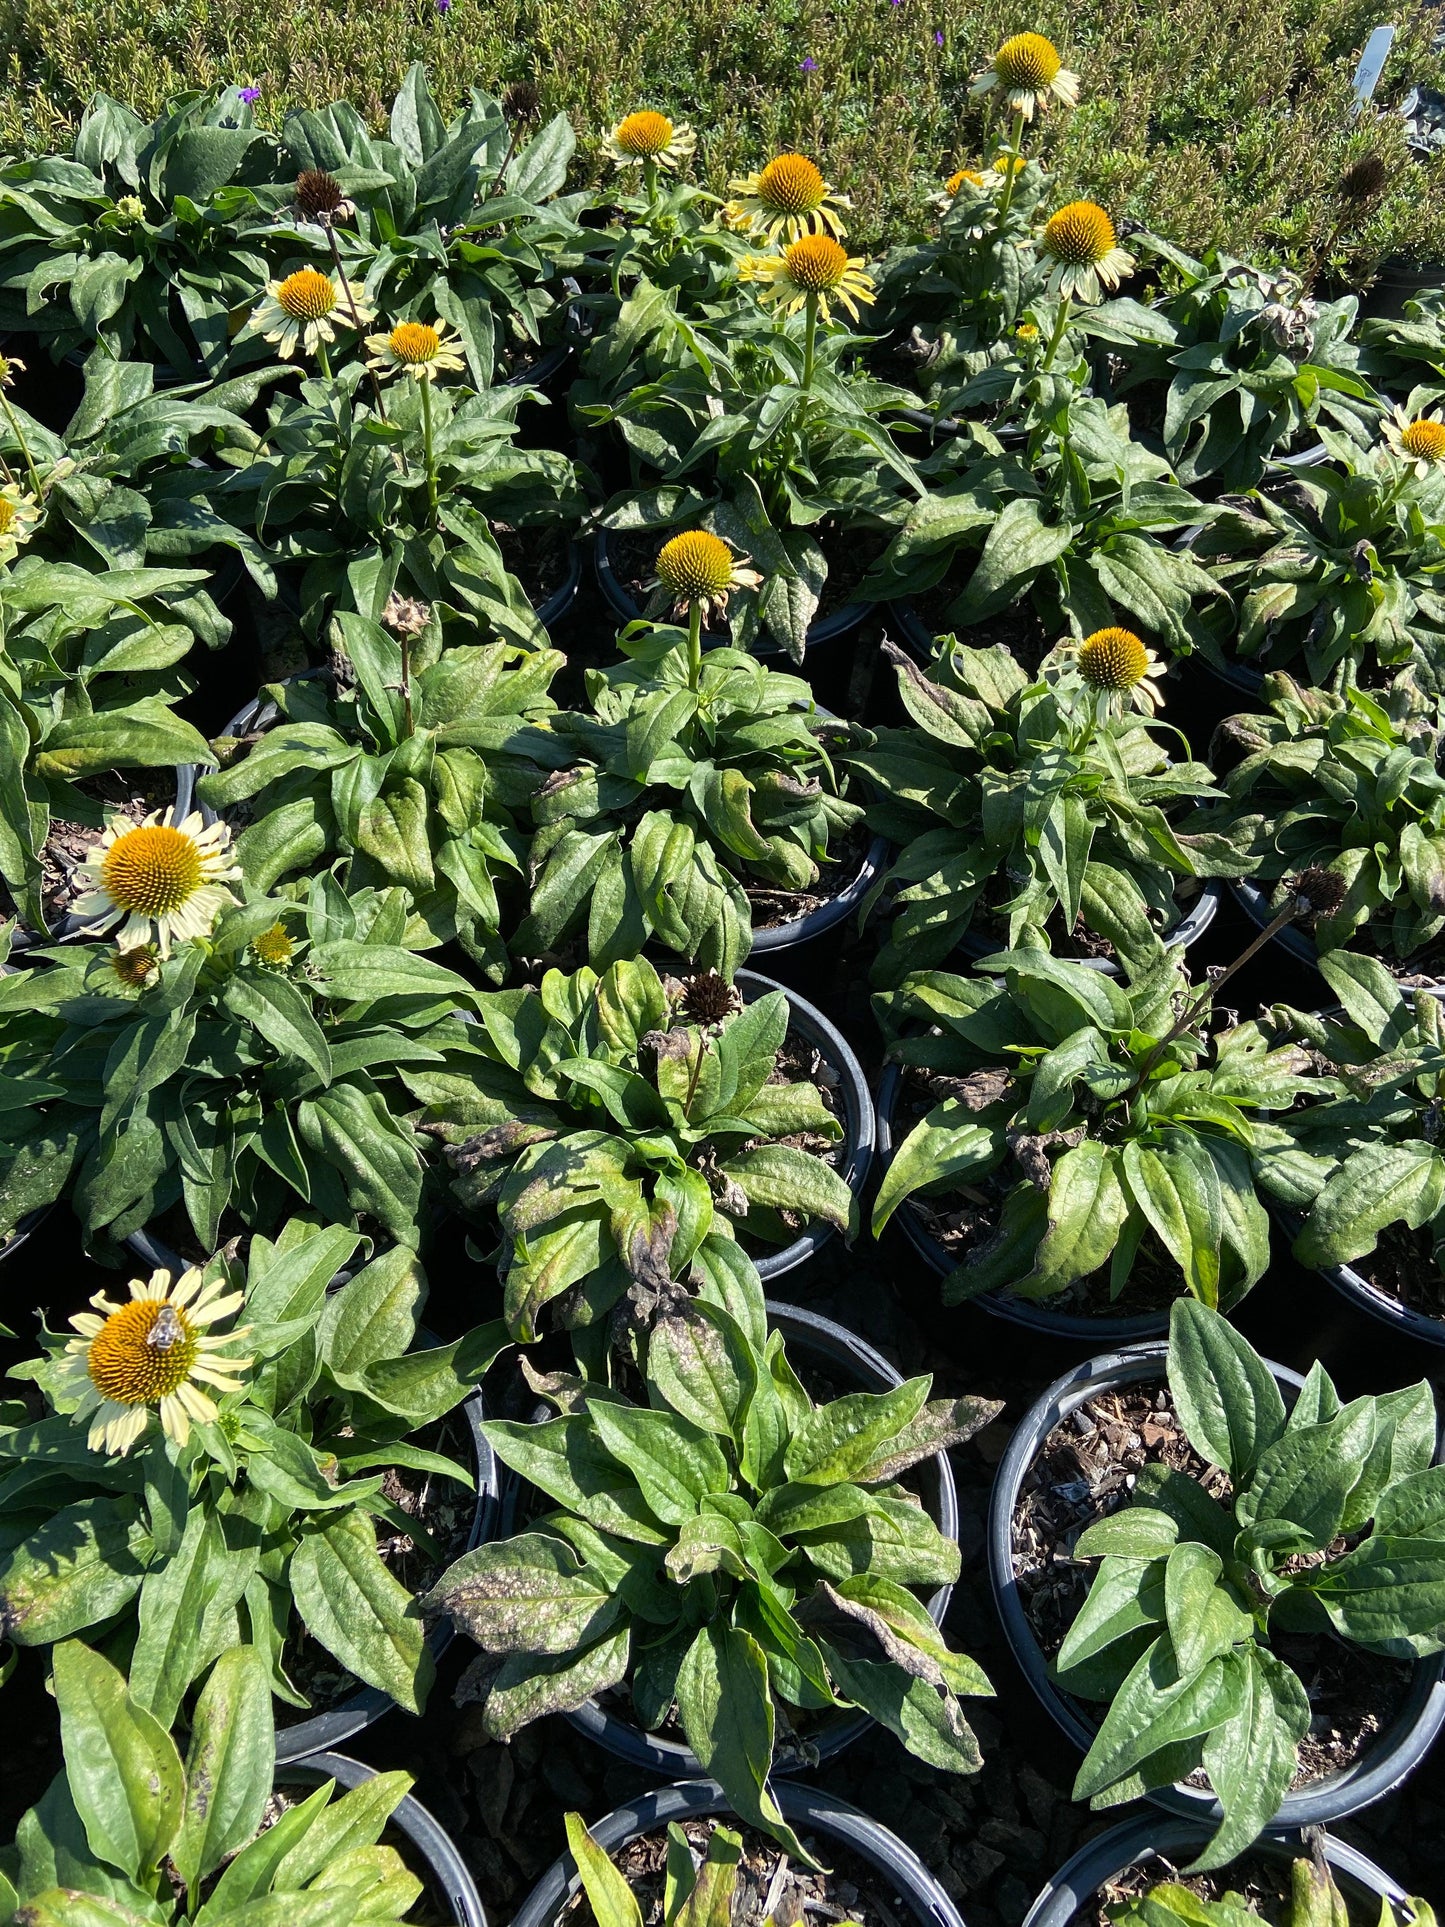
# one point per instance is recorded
(1124, 1846)
(801, 1805)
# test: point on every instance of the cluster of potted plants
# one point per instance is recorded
(342, 904)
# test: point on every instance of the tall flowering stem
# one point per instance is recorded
(356, 322)
(1065, 304)
(429, 450)
(694, 646)
(19, 434)
(1013, 156)
(810, 348)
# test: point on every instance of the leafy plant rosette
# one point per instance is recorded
(620, 1125)
(704, 784)
(694, 1894)
(736, 425)
(740, 1555)
(1349, 783)
(192, 1494)
(256, 1071)
(89, 676)
(412, 758)
(1330, 1526)
(1079, 521)
(1081, 1134)
(462, 219)
(1340, 569)
(1368, 1156)
(145, 232)
(1039, 789)
(1251, 366)
(1314, 1900)
(131, 1832)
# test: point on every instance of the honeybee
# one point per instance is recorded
(167, 1331)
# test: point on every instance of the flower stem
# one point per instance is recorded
(649, 182)
(811, 343)
(323, 358)
(1013, 152)
(1065, 303)
(350, 299)
(429, 451)
(694, 645)
(19, 434)
(408, 721)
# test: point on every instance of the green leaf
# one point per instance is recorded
(124, 1772)
(727, 1713)
(281, 1013)
(700, 1363)
(1251, 1758)
(359, 1612)
(229, 1766)
(373, 1316)
(529, 1594)
(1204, 1620)
(608, 1894)
(83, 1565)
(1087, 1210)
(837, 1439)
(1176, 1187)
(1157, 1708)
(674, 1462)
(1225, 1394)
(1376, 1185)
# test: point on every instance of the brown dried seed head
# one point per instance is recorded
(708, 998)
(318, 194)
(522, 100)
(1364, 179)
(1318, 892)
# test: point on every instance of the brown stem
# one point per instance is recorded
(1292, 909)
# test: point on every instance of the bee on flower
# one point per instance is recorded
(1028, 69)
(153, 1353)
(647, 139)
(415, 348)
(1117, 666)
(161, 880)
(788, 198)
(302, 313)
(1081, 242)
(698, 569)
(815, 268)
(1418, 440)
(19, 514)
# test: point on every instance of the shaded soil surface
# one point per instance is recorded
(1086, 1471)
(1020, 628)
(1403, 1266)
(540, 558)
(770, 1886)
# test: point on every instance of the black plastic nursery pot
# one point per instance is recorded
(429, 1841)
(830, 628)
(807, 1809)
(368, 1704)
(829, 915)
(859, 1126)
(808, 1336)
(1136, 1843)
(24, 1230)
(1121, 1328)
(1190, 927)
(1368, 1298)
(1254, 902)
(1396, 1751)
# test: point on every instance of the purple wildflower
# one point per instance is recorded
(444, 6)
(249, 95)
(937, 37)
(807, 65)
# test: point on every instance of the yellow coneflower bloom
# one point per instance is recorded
(306, 309)
(788, 198)
(274, 948)
(968, 191)
(417, 349)
(18, 516)
(158, 879)
(1081, 243)
(649, 136)
(814, 266)
(699, 568)
(153, 1352)
(1418, 440)
(1115, 662)
(1029, 70)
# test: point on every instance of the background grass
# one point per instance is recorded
(1223, 121)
